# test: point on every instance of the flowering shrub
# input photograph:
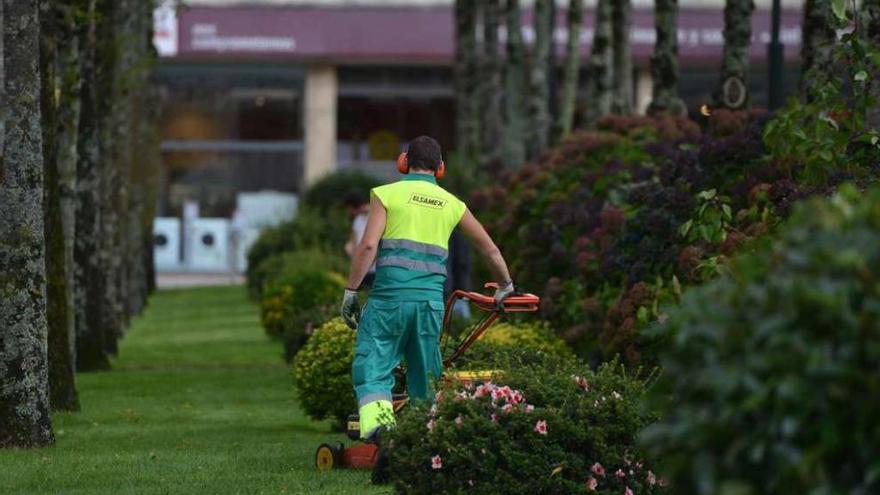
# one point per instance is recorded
(322, 372)
(298, 300)
(772, 372)
(609, 225)
(552, 427)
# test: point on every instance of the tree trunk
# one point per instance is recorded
(570, 78)
(90, 342)
(467, 128)
(623, 68)
(68, 131)
(601, 65)
(733, 86)
(492, 83)
(539, 99)
(871, 27)
(664, 61)
(59, 308)
(515, 87)
(24, 374)
(817, 39)
(109, 115)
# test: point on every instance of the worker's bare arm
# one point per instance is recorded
(365, 252)
(473, 230)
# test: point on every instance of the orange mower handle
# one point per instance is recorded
(517, 303)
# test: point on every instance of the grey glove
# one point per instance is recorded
(504, 290)
(351, 308)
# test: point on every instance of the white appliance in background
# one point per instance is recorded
(243, 239)
(208, 243)
(166, 244)
(264, 209)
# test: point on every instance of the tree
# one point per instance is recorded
(491, 82)
(732, 91)
(817, 40)
(55, 40)
(90, 342)
(570, 79)
(467, 131)
(539, 96)
(664, 61)
(24, 398)
(871, 26)
(601, 64)
(515, 86)
(623, 87)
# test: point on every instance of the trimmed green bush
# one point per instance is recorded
(333, 190)
(297, 301)
(277, 264)
(772, 373)
(554, 426)
(537, 336)
(322, 372)
(326, 231)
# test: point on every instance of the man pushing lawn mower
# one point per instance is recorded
(407, 232)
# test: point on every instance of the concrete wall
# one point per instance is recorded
(321, 91)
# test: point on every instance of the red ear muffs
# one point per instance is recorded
(402, 165)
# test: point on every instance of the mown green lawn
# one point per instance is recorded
(199, 401)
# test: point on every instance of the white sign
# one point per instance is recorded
(165, 28)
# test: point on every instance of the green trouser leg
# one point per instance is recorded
(388, 332)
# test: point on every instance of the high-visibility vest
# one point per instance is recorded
(411, 263)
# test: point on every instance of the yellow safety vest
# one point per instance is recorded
(411, 264)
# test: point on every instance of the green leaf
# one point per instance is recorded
(642, 315)
(839, 8)
(685, 228)
(727, 213)
(676, 286)
(707, 195)
(861, 76)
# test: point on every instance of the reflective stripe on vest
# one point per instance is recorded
(410, 264)
(415, 246)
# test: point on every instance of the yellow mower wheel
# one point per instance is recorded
(328, 457)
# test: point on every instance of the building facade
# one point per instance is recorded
(274, 94)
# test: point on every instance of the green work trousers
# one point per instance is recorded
(388, 332)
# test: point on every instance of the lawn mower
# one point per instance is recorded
(363, 455)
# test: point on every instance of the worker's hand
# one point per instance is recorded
(351, 308)
(504, 290)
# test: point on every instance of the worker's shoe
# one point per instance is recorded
(380, 475)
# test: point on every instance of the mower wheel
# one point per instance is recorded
(328, 457)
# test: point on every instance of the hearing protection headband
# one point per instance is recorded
(403, 166)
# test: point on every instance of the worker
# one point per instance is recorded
(407, 234)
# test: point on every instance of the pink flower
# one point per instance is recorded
(431, 425)
(662, 482)
(458, 420)
(627, 491)
(652, 480)
(438, 397)
(494, 418)
(436, 462)
(529, 408)
(434, 410)
(516, 397)
(620, 474)
(582, 383)
(541, 427)
(598, 470)
(592, 484)
(461, 395)
(507, 408)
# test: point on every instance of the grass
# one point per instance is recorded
(199, 401)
